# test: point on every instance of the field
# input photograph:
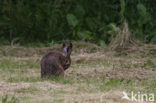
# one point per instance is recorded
(96, 75)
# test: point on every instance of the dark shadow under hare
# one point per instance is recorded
(55, 63)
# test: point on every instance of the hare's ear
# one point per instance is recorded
(64, 48)
(69, 49)
(71, 45)
(63, 45)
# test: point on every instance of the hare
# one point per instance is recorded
(55, 63)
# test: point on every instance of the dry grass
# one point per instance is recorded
(124, 42)
(94, 74)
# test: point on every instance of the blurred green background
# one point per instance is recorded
(53, 21)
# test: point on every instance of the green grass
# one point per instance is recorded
(14, 63)
(31, 89)
(88, 77)
(150, 63)
(6, 99)
(23, 79)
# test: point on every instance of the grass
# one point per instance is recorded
(150, 63)
(6, 99)
(90, 76)
(31, 89)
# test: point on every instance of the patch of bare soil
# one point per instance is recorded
(48, 86)
(113, 67)
(85, 57)
(105, 97)
(132, 70)
(6, 88)
(129, 74)
(9, 88)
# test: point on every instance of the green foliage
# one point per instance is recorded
(102, 43)
(150, 63)
(153, 40)
(28, 21)
(72, 20)
(6, 99)
(122, 8)
(83, 35)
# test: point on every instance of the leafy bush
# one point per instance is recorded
(28, 21)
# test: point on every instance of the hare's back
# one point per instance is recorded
(52, 57)
(51, 63)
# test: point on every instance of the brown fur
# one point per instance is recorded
(55, 63)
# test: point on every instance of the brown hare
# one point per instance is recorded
(55, 63)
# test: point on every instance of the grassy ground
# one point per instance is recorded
(95, 76)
